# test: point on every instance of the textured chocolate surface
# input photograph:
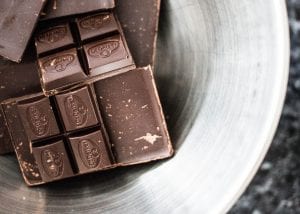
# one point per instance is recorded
(139, 20)
(52, 161)
(52, 38)
(55, 8)
(21, 79)
(105, 51)
(17, 22)
(133, 130)
(76, 109)
(90, 152)
(133, 117)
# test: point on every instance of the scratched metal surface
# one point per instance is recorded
(222, 74)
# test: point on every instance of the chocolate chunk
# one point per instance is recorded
(103, 53)
(90, 152)
(95, 25)
(52, 38)
(61, 8)
(77, 109)
(60, 69)
(17, 21)
(106, 55)
(132, 131)
(133, 117)
(139, 20)
(52, 161)
(38, 119)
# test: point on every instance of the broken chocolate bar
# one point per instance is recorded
(112, 122)
(14, 77)
(80, 49)
(17, 22)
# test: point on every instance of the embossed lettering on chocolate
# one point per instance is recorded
(17, 22)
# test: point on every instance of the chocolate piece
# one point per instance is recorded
(17, 21)
(133, 130)
(52, 161)
(61, 8)
(90, 152)
(42, 154)
(12, 75)
(103, 53)
(53, 38)
(77, 109)
(95, 25)
(139, 20)
(38, 119)
(58, 70)
(133, 117)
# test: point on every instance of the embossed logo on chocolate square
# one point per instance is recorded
(52, 35)
(52, 163)
(38, 120)
(94, 22)
(76, 110)
(58, 63)
(89, 153)
(104, 49)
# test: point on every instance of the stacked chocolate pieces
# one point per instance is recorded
(97, 110)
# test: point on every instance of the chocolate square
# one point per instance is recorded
(77, 109)
(57, 70)
(53, 161)
(52, 38)
(90, 152)
(96, 25)
(105, 52)
(38, 119)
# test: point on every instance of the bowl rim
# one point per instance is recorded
(282, 23)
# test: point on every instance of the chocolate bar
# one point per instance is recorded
(139, 20)
(14, 84)
(81, 48)
(16, 16)
(62, 8)
(117, 121)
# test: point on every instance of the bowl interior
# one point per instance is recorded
(221, 73)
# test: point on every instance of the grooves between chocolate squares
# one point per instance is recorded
(137, 19)
(84, 48)
(113, 122)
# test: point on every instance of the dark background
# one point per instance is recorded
(276, 187)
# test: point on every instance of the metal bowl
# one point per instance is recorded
(222, 72)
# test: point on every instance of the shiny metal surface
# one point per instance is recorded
(222, 73)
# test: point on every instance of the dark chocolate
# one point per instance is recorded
(60, 69)
(139, 20)
(53, 38)
(104, 45)
(133, 129)
(52, 161)
(90, 152)
(76, 109)
(133, 117)
(38, 118)
(17, 22)
(21, 79)
(55, 8)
